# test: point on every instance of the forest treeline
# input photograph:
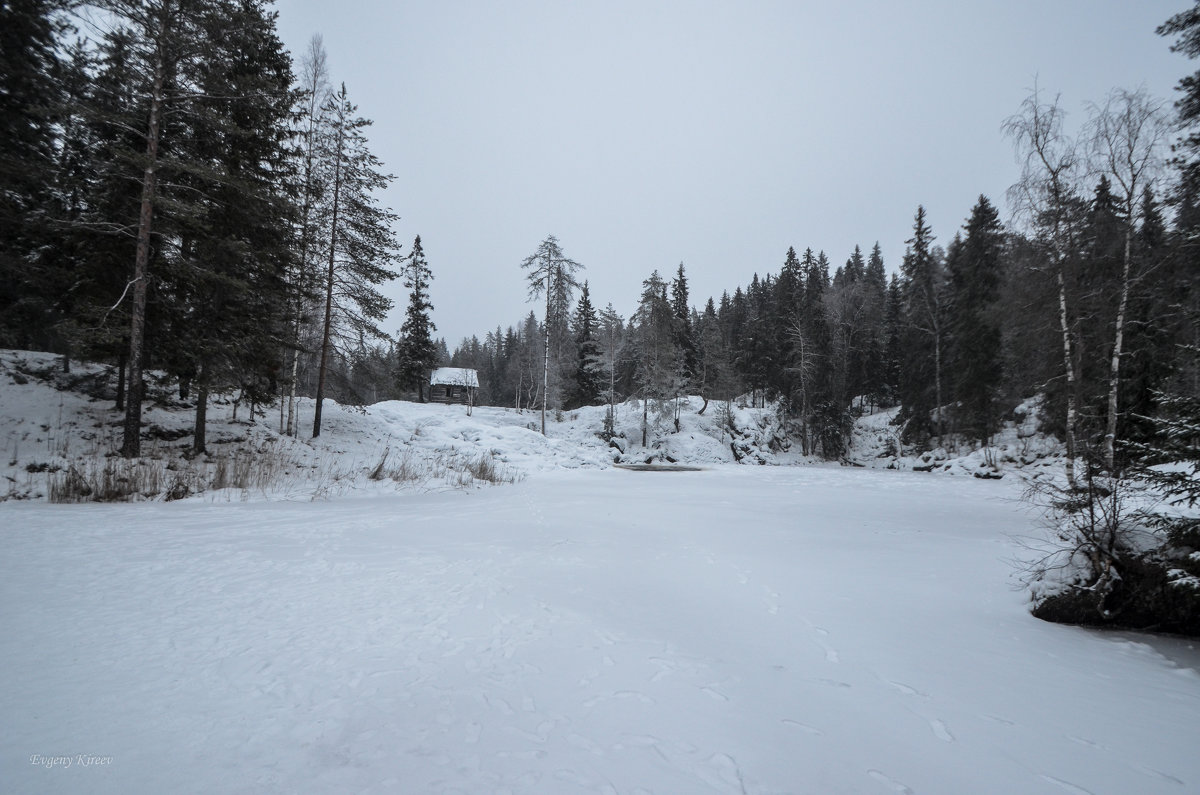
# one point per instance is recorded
(182, 196)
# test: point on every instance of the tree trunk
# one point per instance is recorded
(131, 445)
(1114, 369)
(324, 363)
(546, 357)
(1069, 367)
(645, 420)
(937, 379)
(199, 434)
(121, 382)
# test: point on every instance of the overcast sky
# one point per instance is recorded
(644, 134)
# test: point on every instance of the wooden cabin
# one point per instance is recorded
(454, 385)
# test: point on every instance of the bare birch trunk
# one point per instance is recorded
(546, 357)
(1069, 369)
(1114, 369)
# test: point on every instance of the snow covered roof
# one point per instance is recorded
(454, 376)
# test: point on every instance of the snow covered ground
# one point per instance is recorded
(738, 629)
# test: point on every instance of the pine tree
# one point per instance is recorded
(417, 351)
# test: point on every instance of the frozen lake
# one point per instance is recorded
(738, 629)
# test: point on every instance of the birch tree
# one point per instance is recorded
(1046, 195)
(1127, 139)
(314, 96)
(551, 273)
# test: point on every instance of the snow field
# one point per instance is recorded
(740, 629)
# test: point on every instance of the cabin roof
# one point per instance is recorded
(454, 376)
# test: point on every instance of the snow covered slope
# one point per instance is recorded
(54, 423)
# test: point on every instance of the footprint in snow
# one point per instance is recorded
(717, 694)
(835, 683)
(998, 719)
(804, 727)
(906, 690)
(579, 741)
(1066, 785)
(1149, 771)
(940, 731)
(474, 730)
(890, 783)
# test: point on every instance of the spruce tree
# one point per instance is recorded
(684, 333)
(30, 65)
(653, 352)
(611, 333)
(586, 386)
(974, 270)
(417, 351)
(875, 286)
(923, 336)
(238, 249)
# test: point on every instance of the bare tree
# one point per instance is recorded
(804, 365)
(1044, 195)
(1127, 139)
(315, 90)
(361, 242)
(552, 272)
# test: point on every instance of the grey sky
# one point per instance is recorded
(643, 134)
